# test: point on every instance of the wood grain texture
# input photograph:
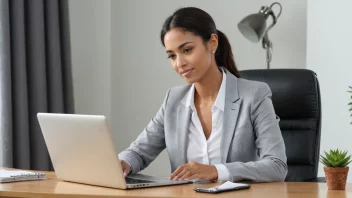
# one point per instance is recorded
(53, 187)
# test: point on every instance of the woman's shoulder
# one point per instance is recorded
(177, 93)
(251, 88)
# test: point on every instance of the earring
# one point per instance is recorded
(213, 51)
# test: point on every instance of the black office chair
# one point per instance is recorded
(296, 99)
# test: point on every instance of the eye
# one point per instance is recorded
(187, 50)
(173, 56)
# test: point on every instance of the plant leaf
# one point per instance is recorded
(334, 164)
(343, 155)
(323, 158)
(328, 164)
(328, 156)
(334, 156)
(344, 165)
(325, 162)
(343, 161)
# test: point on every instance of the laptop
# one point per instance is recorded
(82, 151)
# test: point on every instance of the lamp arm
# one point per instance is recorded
(271, 13)
(267, 44)
(276, 3)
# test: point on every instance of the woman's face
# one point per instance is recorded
(189, 56)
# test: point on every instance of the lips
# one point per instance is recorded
(186, 71)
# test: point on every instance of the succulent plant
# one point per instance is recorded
(335, 158)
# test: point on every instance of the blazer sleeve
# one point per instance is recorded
(148, 144)
(271, 165)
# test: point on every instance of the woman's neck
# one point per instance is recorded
(208, 87)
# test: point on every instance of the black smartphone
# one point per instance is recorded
(219, 190)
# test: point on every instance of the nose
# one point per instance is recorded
(181, 61)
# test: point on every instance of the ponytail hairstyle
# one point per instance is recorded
(200, 23)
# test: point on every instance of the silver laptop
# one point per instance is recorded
(82, 150)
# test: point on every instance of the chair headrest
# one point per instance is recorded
(296, 92)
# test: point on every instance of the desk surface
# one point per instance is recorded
(56, 188)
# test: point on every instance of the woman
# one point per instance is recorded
(219, 127)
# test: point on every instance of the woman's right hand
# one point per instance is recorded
(125, 167)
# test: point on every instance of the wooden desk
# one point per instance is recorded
(55, 188)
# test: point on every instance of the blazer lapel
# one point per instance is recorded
(182, 127)
(231, 111)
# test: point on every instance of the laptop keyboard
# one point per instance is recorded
(136, 181)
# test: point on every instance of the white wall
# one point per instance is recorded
(120, 68)
(141, 73)
(90, 44)
(329, 55)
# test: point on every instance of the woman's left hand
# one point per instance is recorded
(194, 170)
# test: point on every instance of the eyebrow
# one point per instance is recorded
(179, 47)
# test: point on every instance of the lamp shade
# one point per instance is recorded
(253, 26)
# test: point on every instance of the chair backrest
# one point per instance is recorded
(296, 99)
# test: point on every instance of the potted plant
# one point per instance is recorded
(336, 168)
(336, 161)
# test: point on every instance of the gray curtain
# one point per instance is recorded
(35, 76)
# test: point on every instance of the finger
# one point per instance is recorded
(125, 172)
(176, 172)
(194, 176)
(186, 175)
(179, 176)
(125, 168)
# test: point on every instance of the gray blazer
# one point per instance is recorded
(252, 147)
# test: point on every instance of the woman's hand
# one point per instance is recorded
(194, 170)
(125, 167)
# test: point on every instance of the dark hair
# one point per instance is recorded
(200, 23)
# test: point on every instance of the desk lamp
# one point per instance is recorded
(253, 27)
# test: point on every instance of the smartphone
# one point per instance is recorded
(219, 190)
